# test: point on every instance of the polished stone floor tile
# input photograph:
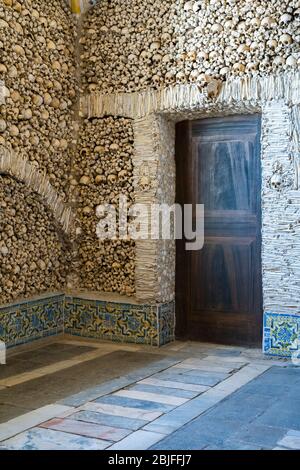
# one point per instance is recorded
(171, 384)
(234, 362)
(256, 422)
(153, 397)
(125, 411)
(282, 414)
(8, 411)
(96, 392)
(81, 428)
(118, 383)
(134, 403)
(109, 420)
(30, 419)
(48, 439)
(202, 366)
(177, 418)
(291, 440)
(174, 392)
(139, 440)
(200, 378)
(198, 396)
(16, 367)
(58, 385)
(258, 435)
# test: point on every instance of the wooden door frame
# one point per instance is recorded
(184, 194)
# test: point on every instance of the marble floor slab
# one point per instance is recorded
(31, 419)
(139, 440)
(125, 411)
(184, 396)
(192, 377)
(48, 439)
(174, 392)
(108, 420)
(134, 403)
(81, 428)
(291, 440)
(173, 384)
(150, 396)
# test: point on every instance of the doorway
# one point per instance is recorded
(219, 288)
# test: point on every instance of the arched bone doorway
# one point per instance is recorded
(155, 114)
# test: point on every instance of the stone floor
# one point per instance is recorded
(73, 394)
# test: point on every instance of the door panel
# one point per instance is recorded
(224, 287)
(218, 165)
(224, 161)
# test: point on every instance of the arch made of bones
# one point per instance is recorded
(21, 169)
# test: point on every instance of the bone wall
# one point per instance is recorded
(281, 212)
(132, 45)
(151, 46)
(102, 171)
(154, 170)
(39, 88)
(37, 66)
(34, 258)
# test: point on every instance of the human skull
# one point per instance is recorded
(180, 77)
(276, 181)
(286, 39)
(156, 80)
(285, 18)
(193, 76)
(251, 67)
(169, 78)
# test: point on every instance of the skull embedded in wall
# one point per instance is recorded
(180, 77)
(285, 39)
(251, 67)
(276, 181)
(265, 65)
(145, 56)
(145, 183)
(285, 18)
(291, 61)
(131, 86)
(193, 76)
(132, 59)
(157, 80)
(170, 78)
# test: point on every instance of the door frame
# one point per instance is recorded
(184, 194)
(154, 114)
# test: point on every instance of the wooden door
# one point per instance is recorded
(219, 288)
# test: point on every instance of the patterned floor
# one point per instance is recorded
(183, 396)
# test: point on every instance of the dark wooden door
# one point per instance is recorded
(219, 288)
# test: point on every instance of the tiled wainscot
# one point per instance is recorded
(115, 321)
(281, 335)
(31, 320)
(120, 322)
